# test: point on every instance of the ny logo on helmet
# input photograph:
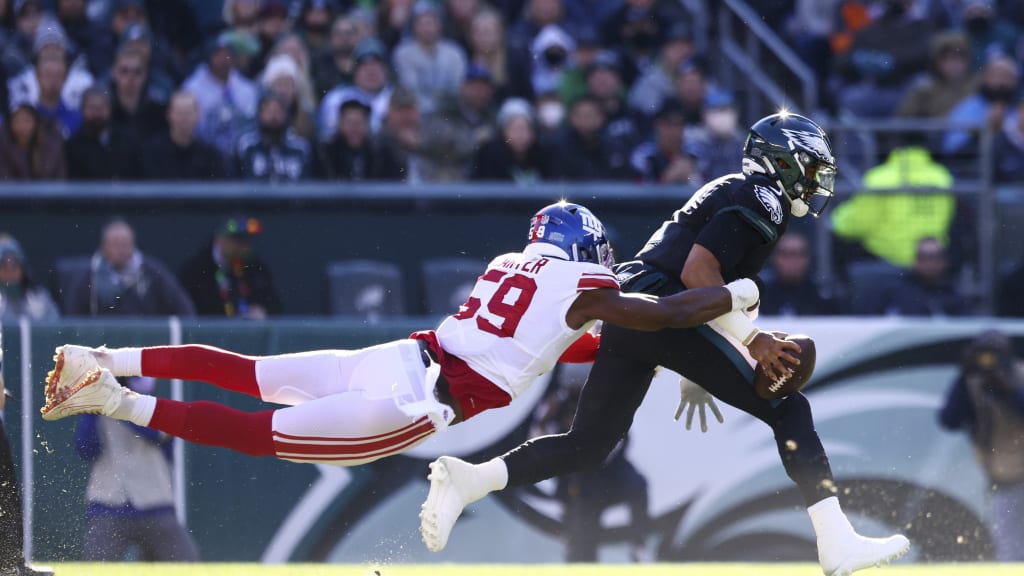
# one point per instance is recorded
(591, 225)
(809, 141)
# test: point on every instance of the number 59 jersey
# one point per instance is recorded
(512, 328)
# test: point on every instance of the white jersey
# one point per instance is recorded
(512, 328)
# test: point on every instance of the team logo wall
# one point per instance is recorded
(770, 200)
(810, 141)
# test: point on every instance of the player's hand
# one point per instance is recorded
(693, 396)
(770, 352)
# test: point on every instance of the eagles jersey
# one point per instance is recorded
(512, 328)
(737, 217)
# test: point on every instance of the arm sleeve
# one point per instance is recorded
(730, 236)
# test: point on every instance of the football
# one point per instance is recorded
(773, 390)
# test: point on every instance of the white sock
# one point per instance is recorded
(494, 474)
(827, 516)
(135, 408)
(126, 361)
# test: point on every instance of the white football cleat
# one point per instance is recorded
(74, 353)
(96, 392)
(853, 552)
(454, 484)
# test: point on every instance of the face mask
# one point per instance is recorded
(550, 114)
(721, 122)
(554, 57)
(998, 94)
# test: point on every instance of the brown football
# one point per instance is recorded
(798, 379)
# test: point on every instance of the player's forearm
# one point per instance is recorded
(698, 306)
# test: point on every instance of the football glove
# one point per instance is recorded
(692, 397)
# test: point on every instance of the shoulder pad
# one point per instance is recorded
(759, 201)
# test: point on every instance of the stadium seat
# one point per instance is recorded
(370, 289)
(447, 283)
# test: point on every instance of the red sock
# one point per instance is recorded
(221, 368)
(214, 424)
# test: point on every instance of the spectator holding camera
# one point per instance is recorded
(987, 400)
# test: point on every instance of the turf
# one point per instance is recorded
(81, 569)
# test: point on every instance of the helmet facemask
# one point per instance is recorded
(811, 184)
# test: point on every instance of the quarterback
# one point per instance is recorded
(345, 408)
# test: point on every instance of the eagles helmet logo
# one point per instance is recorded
(770, 200)
(811, 141)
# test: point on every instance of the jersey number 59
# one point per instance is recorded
(510, 312)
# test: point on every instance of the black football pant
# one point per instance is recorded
(11, 529)
(619, 381)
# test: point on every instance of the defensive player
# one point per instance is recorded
(725, 231)
(351, 407)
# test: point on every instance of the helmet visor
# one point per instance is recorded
(822, 180)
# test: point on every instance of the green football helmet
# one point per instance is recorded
(796, 152)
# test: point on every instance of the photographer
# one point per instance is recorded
(987, 399)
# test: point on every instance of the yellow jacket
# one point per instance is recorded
(890, 225)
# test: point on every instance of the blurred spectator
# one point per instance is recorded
(19, 293)
(589, 14)
(717, 143)
(550, 52)
(881, 62)
(539, 14)
(314, 23)
(584, 152)
(791, 291)
(133, 109)
(889, 225)
(31, 147)
(586, 495)
(291, 45)
(122, 281)
(227, 100)
(271, 24)
(509, 67)
(178, 154)
(17, 49)
(271, 151)
(657, 82)
(162, 76)
(1008, 147)
(50, 75)
(12, 521)
(350, 154)
(174, 28)
(663, 160)
(400, 140)
(88, 38)
(240, 15)
(637, 29)
(925, 290)
(453, 133)
(514, 154)
(949, 79)
(394, 18)
(335, 64)
(458, 20)
(227, 278)
(989, 36)
(98, 151)
(53, 82)
(808, 31)
(987, 107)
(987, 401)
(691, 88)
(130, 496)
(283, 78)
(573, 83)
(370, 85)
(551, 113)
(426, 63)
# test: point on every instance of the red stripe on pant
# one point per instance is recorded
(348, 448)
(221, 368)
(364, 456)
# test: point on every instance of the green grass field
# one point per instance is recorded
(77, 569)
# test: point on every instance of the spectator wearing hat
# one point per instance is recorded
(314, 23)
(988, 35)
(452, 134)
(283, 78)
(178, 154)
(350, 155)
(133, 108)
(228, 278)
(514, 154)
(163, 74)
(227, 99)
(551, 52)
(272, 151)
(637, 29)
(400, 142)
(663, 159)
(538, 15)
(123, 15)
(50, 75)
(949, 79)
(657, 82)
(370, 84)
(123, 281)
(271, 24)
(584, 150)
(31, 146)
(20, 296)
(426, 63)
(17, 50)
(717, 142)
(335, 64)
(98, 151)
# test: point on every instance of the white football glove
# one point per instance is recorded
(692, 395)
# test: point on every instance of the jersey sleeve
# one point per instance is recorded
(583, 350)
(598, 277)
(730, 238)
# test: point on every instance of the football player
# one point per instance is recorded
(725, 231)
(351, 407)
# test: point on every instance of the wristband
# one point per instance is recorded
(744, 293)
(737, 325)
